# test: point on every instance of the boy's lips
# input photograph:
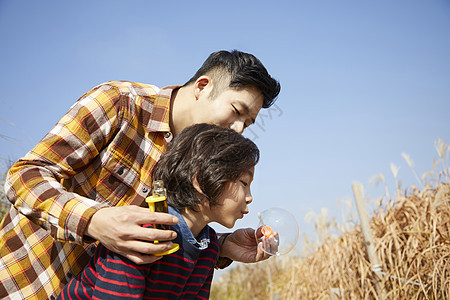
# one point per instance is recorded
(243, 213)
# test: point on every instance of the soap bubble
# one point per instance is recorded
(277, 231)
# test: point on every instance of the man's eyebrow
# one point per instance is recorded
(250, 173)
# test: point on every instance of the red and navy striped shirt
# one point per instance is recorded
(185, 274)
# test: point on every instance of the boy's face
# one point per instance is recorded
(230, 108)
(232, 204)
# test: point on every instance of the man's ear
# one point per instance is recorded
(200, 85)
(196, 185)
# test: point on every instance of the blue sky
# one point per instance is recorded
(362, 81)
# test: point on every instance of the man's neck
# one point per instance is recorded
(180, 103)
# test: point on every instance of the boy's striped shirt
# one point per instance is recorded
(185, 274)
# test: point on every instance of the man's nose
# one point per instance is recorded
(238, 126)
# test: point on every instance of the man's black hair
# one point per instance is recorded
(245, 70)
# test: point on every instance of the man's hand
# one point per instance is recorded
(119, 229)
(241, 246)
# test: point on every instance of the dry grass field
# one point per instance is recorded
(411, 234)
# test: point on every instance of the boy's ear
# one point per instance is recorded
(196, 185)
(200, 85)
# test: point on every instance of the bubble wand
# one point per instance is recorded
(277, 231)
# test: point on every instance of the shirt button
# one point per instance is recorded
(167, 135)
(145, 190)
(69, 275)
(71, 238)
(120, 171)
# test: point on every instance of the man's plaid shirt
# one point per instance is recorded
(99, 154)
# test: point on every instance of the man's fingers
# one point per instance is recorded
(260, 254)
(139, 215)
(152, 234)
(140, 259)
(120, 230)
(144, 216)
(148, 248)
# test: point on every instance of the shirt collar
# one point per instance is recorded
(202, 240)
(160, 117)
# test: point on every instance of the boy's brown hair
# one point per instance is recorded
(215, 155)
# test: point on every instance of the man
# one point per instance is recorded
(86, 180)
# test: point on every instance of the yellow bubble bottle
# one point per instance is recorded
(157, 202)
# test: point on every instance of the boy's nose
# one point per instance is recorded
(249, 199)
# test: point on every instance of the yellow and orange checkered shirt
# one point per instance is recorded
(99, 154)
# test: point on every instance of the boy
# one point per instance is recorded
(207, 172)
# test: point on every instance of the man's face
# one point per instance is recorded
(230, 108)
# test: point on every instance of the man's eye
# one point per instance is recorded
(244, 183)
(236, 110)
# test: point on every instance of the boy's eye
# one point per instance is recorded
(244, 183)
